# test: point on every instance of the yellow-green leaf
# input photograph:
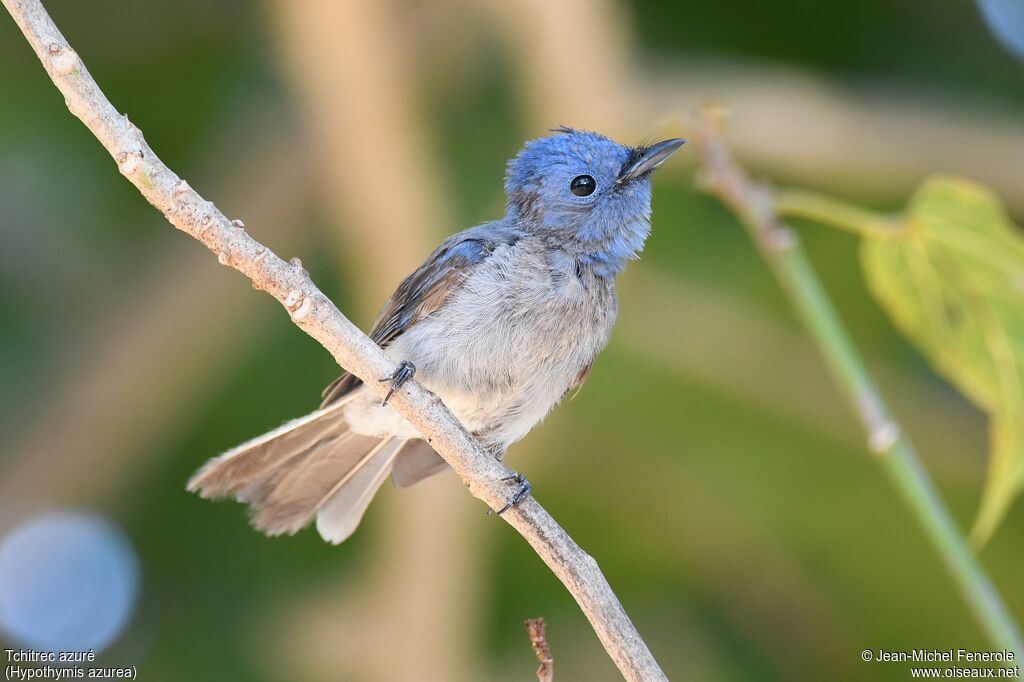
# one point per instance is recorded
(951, 277)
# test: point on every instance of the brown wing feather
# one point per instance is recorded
(581, 379)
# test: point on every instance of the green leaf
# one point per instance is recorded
(951, 277)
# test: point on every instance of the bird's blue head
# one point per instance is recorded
(586, 193)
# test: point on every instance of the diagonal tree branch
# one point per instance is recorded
(316, 315)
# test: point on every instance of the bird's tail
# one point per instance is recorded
(314, 466)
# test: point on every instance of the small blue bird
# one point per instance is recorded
(501, 322)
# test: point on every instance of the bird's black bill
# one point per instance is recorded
(646, 159)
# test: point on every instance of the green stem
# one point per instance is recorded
(758, 211)
(898, 457)
(799, 203)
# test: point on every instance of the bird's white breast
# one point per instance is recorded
(505, 346)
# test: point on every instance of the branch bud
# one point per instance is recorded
(128, 162)
(303, 309)
(65, 60)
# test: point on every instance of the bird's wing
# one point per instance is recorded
(427, 289)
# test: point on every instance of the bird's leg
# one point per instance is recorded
(402, 374)
(523, 489)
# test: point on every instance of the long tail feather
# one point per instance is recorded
(287, 502)
(313, 465)
(418, 461)
(239, 467)
(341, 513)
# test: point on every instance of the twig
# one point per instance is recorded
(779, 246)
(316, 315)
(535, 629)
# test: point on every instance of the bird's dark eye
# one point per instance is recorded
(583, 185)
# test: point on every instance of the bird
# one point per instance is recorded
(502, 321)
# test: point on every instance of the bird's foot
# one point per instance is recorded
(402, 374)
(523, 489)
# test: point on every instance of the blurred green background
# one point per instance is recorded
(709, 465)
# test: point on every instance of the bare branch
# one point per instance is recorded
(535, 629)
(316, 315)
